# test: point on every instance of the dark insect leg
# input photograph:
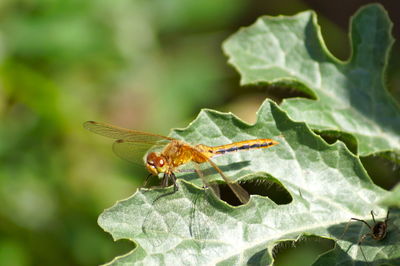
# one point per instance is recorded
(387, 217)
(362, 238)
(362, 222)
(373, 217)
(174, 181)
(362, 252)
(165, 180)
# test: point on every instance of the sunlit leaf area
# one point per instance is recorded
(211, 72)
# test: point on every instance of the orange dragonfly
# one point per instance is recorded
(132, 145)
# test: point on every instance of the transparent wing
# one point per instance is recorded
(201, 227)
(201, 172)
(240, 192)
(133, 151)
(115, 132)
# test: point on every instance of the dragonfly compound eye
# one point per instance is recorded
(151, 163)
(161, 162)
(155, 163)
(151, 158)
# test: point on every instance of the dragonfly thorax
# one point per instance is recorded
(156, 163)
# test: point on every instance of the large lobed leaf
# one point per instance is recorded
(393, 198)
(327, 184)
(351, 97)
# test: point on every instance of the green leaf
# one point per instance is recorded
(350, 97)
(393, 198)
(327, 184)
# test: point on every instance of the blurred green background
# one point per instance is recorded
(148, 65)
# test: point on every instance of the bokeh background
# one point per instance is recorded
(142, 64)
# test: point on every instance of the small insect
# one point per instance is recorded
(377, 232)
(132, 144)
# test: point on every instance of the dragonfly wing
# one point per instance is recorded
(203, 178)
(115, 132)
(240, 193)
(132, 151)
(200, 226)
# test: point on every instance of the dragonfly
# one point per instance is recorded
(132, 145)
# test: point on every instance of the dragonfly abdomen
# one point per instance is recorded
(244, 145)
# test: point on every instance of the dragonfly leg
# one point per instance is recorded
(173, 177)
(165, 180)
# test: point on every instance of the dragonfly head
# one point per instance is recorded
(156, 163)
